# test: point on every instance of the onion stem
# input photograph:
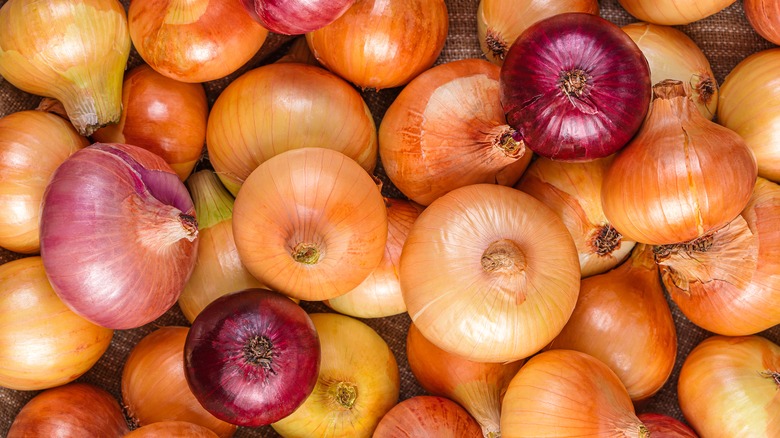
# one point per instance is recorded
(345, 394)
(496, 44)
(306, 253)
(260, 351)
(574, 82)
(774, 375)
(606, 239)
(503, 256)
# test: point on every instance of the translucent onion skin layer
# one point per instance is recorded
(296, 17)
(575, 87)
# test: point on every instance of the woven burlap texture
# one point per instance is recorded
(726, 38)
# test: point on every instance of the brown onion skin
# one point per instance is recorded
(171, 429)
(664, 426)
(75, 410)
(427, 416)
(764, 17)
(163, 115)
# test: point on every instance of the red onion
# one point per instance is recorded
(575, 87)
(118, 234)
(664, 426)
(296, 17)
(252, 357)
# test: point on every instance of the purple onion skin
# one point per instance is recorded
(118, 235)
(296, 17)
(252, 386)
(591, 121)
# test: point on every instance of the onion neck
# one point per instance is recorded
(159, 229)
(605, 240)
(509, 142)
(259, 351)
(306, 253)
(773, 375)
(213, 202)
(574, 83)
(505, 258)
(344, 394)
(496, 44)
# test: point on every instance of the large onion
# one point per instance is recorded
(295, 17)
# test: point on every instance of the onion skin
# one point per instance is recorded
(410, 33)
(121, 262)
(154, 386)
(171, 429)
(194, 40)
(32, 145)
(664, 426)
(75, 51)
(764, 17)
(728, 386)
(673, 12)
(575, 87)
(427, 416)
(43, 344)
(75, 410)
(446, 129)
(622, 318)
(296, 17)
(568, 393)
(162, 115)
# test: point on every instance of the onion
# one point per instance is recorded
(673, 12)
(252, 357)
(194, 40)
(573, 191)
(379, 295)
(427, 416)
(728, 387)
(764, 17)
(70, 411)
(382, 43)
(477, 386)
(32, 145)
(118, 235)
(296, 17)
(568, 393)
(688, 175)
(575, 87)
(52, 49)
(500, 22)
(162, 115)
(623, 319)
(446, 129)
(310, 223)
(489, 273)
(171, 429)
(283, 106)
(42, 343)
(727, 281)
(674, 55)
(664, 426)
(154, 386)
(748, 103)
(357, 385)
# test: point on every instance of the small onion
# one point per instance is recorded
(171, 429)
(664, 426)
(296, 17)
(764, 17)
(575, 87)
(426, 416)
(673, 12)
(118, 234)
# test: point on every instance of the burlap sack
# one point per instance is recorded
(726, 38)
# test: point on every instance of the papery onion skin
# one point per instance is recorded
(764, 17)
(575, 87)
(682, 176)
(664, 426)
(427, 416)
(118, 234)
(673, 12)
(171, 429)
(74, 410)
(446, 129)
(728, 386)
(32, 145)
(284, 106)
(194, 40)
(162, 115)
(296, 17)
(623, 319)
(480, 277)
(749, 104)
(726, 282)
(72, 50)
(500, 22)
(674, 55)
(378, 44)
(43, 344)
(573, 191)
(357, 384)
(310, 223)
(568, 393)
(252, 357)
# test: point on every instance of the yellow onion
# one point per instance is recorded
(764, 17)
(500, 22)
(673, 12)
(426, 416)
(72, 50)
(749, 104)
(358, 382)
(43, 344)
(32, 145)
(729, 387)
(727, 282)
(218, 268)
(682, 176)
(489, 273)
(573, 191)
(674, 55)
(283, 106)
